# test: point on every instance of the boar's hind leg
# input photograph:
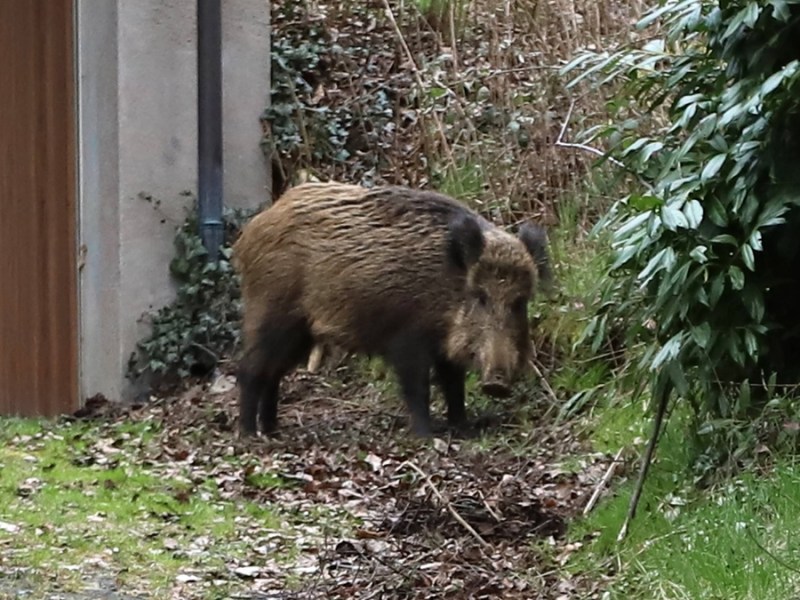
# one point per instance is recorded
(412, 365)
(281, 345)
(251, 388)
(450, 378)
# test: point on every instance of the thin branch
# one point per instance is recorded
(208, 351)
(488, 508)
(777, 559)
(603, 483)
(596, 151)
(661, 410)
(449, 506)
(562, 144)
(545, 384)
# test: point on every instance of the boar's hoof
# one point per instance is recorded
(247, 431)
(496, 389)
(421, 430)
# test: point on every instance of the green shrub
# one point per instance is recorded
(705, 256)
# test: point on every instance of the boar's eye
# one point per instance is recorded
(520, 305)
(482, 297)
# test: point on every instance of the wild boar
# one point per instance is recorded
(412, 276)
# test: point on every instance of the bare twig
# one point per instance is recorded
(562, 144)
(489, 509)
(661, 410)
(777, 559)
(603, 483)
(545, 384)
(596, 151)
(447, 503)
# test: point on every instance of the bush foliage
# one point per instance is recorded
(705, 253)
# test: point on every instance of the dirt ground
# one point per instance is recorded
(386, 515)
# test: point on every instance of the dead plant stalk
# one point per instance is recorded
(603, 482)
(418, 80)
(447, 503)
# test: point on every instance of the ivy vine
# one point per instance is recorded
(201, 326)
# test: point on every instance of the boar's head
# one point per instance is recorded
(489, 329)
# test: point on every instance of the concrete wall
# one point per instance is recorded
(245, 93)
(98, 206)
(138, 129)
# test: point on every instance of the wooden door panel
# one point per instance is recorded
(38, 278)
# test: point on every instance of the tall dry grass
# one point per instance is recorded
(514, 50)
(477, 100)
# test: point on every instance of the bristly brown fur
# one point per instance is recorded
(384, 271)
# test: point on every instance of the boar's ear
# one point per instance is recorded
(464, 241)
(534, 238)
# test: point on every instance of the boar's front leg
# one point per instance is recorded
(412, 364)
(450, 378)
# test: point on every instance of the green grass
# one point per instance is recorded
(578, 261)
(81, 496)
(735, 541)
(464, 182)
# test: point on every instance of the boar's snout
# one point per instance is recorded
(501, 365)
(497, 379)
(497, 385)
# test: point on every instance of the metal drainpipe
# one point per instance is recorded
(209, 125)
